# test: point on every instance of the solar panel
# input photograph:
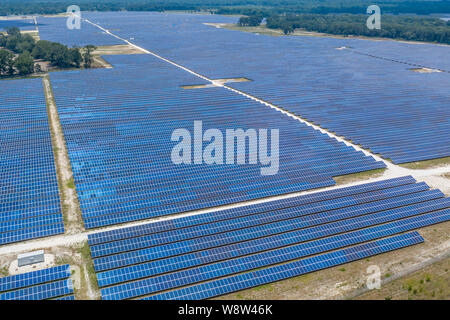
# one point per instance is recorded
(29, 195)
(56, 30)
(335, 89)
(117, 131)
(193, 220)
(324, 211)
(310, 232)
(288, 270)
(181, 262)
(37, 285)
(66, 298)
(22, 24)
(203, 250)
(34, 277)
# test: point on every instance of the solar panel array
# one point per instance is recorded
(56, 30)
(22, 24)
(252, 279)
(43, 284)
(29, 196)
(341, 90)
(118, 125)
(146, 260)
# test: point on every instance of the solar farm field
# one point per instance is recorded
(22, 24)
(192, 161)
(211, 248)
(54, 29)
(115, 122)
(347, 91)
(29, 196)
(52, 283)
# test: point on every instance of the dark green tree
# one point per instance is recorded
(26, 43)
(13, 31)
(42, 49)
(75, 56)
(24, 63)
(3, 40)
(87, 55)
(6, 62)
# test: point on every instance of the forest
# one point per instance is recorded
(18, 53)
(395, 27)
(246, 7)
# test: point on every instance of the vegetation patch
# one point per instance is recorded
(70, 184)
(21, 54)
(409, 28)
(430, 283)
(359, 176)
(427, 164)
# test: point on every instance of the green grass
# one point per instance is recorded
(359, 176)
(4, 272)
(427, 163)
(70, 184)
(85, 252)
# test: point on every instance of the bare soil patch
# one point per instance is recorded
(430, 283)
(73, 222)
(360, 176)
(425, 70)
(117, 49)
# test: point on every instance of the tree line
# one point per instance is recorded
(20, 51)
(9, 7)
(252, 21)
(396, 27)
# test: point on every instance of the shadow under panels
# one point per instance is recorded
(118, 125)
(212, 254)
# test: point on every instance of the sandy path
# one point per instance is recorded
(71, 210)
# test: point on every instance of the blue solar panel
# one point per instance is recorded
(324, 211)
(29, 195)
(228, 267)
(66, 298)
(55, 29)
(347, 91)
(22, 24)
(185, 222)
(118, 128)
(288, 270)
(37, 285)
(181, 252)
(313, 229)
(40, 292)
(35, 277)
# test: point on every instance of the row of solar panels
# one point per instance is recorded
(147, 260)
(22, 24)
(29, 194)
(345, 91)
(52, 283)
(120, 149)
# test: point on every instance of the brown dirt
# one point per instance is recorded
(430, 283)
(73, 222)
